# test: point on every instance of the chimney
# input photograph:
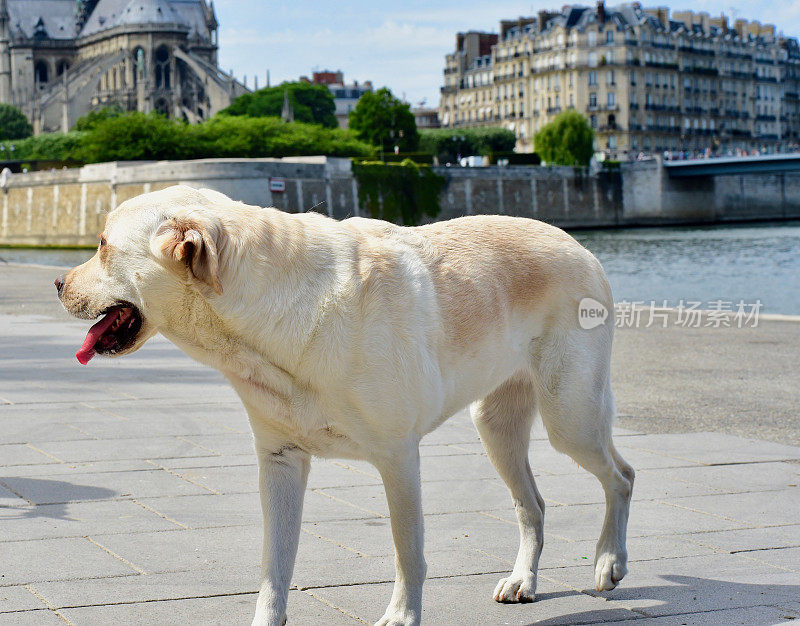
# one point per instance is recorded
(542, 22)
(601, 11)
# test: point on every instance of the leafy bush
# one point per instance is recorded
(383, 120)
(91, 119)
(47, 147)
(144, 137)
(567, 140)
(418, 157)
(515, 158)
(13, 123)
(135, 137)
(447, 144)
(226, 136)
(402, 193)
(312, 104)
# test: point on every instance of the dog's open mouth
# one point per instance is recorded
(115, 332)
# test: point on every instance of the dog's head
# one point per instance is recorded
(158, 253)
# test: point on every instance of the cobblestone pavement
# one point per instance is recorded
(128, 494)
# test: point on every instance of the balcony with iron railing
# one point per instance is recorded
(666, 66)
(694, 50)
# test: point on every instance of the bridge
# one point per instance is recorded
(716, 166)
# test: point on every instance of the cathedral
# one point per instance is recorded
(60, 59)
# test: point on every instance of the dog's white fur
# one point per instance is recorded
(356, 338)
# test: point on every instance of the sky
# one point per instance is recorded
(400, 44)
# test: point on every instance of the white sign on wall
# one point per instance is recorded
(277, 184)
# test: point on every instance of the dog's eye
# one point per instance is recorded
(102, 241)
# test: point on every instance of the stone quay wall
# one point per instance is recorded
(68, 207)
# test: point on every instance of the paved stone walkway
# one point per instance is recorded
(128, 495)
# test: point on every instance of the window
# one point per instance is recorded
(612, 99)
(41, 72)
(593, 121)
(609, 36)
(592, 61)
(591, 38)
(162, 68)
(610, 78)
(592, 78)
(593, 99)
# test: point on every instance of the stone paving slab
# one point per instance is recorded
(692, 584)
(58, 559)
(17, 598)
(40, 617)
(128, 494)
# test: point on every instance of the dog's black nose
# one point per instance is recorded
(59, 283)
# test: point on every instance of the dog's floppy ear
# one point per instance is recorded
(193, 242)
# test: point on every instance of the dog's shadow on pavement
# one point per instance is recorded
(680, 596)
(48, 498)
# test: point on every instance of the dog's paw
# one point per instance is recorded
(516, 588)
(609, 570)
(398, 618)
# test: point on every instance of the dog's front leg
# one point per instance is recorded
(400, 474)
(282, 476)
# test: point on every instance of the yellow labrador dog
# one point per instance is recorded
(357, 338)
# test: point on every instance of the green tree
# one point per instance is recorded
(312, 104)
(13, 123)
(383, 120)
(567, 140)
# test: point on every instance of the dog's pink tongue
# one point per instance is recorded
(87, 351)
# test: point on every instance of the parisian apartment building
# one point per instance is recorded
(647, 80)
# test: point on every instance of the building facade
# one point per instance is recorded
(345, 96)
(647, 80)
(59, 59)
(426, 117)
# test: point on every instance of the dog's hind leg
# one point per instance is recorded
(577, 408)
(503, 420)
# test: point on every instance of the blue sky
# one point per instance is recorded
(397, 44)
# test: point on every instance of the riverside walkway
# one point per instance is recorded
(128, 491)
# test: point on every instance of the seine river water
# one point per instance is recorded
(732, 263)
